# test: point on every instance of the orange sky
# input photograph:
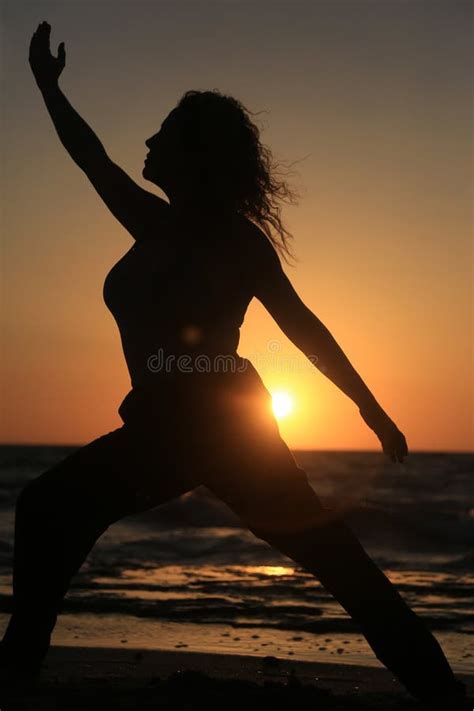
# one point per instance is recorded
(374, 96)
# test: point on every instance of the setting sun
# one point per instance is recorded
(282, 404)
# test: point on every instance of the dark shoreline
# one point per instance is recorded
(88, 678)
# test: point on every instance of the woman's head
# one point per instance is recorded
(208, 149)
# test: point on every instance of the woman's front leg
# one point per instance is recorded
(59, 517)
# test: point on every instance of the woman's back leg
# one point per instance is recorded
(281, 508)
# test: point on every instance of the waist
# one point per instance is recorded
(183, 391)
(162, 371)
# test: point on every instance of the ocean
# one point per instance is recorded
(187, 575)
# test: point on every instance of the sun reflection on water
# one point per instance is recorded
(275, 570)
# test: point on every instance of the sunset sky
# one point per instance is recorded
(374, 101)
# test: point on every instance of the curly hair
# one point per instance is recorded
(232, 162)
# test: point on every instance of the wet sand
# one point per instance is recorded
(87, 678)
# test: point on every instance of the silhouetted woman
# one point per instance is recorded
(197, 412)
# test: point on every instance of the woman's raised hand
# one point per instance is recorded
(44, 66)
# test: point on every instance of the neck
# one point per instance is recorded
(192, 209)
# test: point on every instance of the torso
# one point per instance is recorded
(181, 293)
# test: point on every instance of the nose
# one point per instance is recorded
(150, 141)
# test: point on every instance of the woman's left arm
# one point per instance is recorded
(315, 340)
(311, 336)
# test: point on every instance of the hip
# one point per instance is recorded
(216, 400)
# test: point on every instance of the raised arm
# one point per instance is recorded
(138, 210)
(310, 335)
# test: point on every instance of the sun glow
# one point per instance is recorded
(282, 404)
(277, 570)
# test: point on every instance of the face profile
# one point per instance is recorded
(162, 162)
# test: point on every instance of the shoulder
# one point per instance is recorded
(259, 249)
(263, 267)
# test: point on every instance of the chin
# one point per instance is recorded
(149, 175)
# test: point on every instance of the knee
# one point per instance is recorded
(289, 507)
(324, 535)
(290, 523)
(37, 496)
(29, 498)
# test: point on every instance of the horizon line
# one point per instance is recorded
(293, 449)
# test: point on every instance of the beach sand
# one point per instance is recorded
(87, 678)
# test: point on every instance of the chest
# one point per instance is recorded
(154, 274)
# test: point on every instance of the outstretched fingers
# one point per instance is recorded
(41, 36)
(401, 449)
